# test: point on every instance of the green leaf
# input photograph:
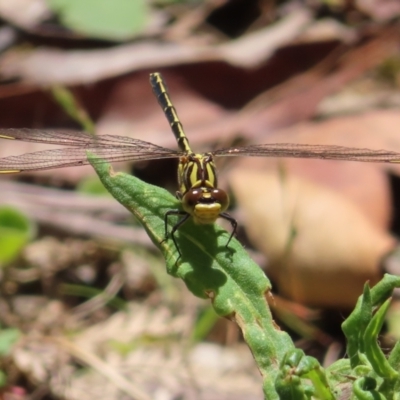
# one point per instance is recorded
(362, 328)
(364, 389)
(15, 231)
(204, 324)
(3, 379)
(92, 186)
(106, 19)
(394, 358)
(90, 293)
(295, 370)
(7, 338)
(67, 101)
(374, 353)
(384, 289)
(354, 326)
(235, 284)
(388, 387)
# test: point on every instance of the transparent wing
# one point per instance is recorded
(325, 152)
(109, 148)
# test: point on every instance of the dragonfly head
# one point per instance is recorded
(205, 204)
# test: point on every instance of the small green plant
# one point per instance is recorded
(16, 230)
(238, 288)
(7, 339)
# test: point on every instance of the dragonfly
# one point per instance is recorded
(201, 198)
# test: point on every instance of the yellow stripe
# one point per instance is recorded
(192, 178)
(211, 174)
(7, 137)
(11, 171)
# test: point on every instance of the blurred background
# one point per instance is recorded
(86, 307)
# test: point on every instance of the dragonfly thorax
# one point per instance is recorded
(195, 171)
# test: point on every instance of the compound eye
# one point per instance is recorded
(192, 197)
(221, 197)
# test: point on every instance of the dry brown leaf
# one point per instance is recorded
(363, 183)
(328, 29)
(380, 10)
(321, 249)
(88, 66)
(297, 99)
(24, 13)
(353, 201)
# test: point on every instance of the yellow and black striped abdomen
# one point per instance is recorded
(160, 90)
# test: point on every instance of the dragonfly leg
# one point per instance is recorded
(186, 216)
(233, 223)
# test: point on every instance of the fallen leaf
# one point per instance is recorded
(364, 183)
(380, 10)
(337, 211)
(24, 13)
(88, 66)
(320, 247)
